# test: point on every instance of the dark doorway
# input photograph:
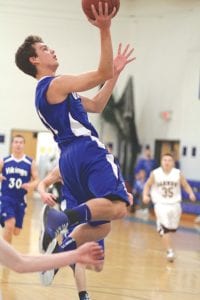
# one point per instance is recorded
(167, 146)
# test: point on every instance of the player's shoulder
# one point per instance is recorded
(176, 171)
(45, 80)
(7, 158)
(42, 87)
(157, 170)
(28, 159)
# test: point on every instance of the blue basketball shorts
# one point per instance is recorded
(12, 208)
(89, 171)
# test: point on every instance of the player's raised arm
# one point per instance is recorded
(99, 101)
(61, 86)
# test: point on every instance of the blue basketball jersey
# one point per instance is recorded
(17, 172)
(87, 169)
(66, 120)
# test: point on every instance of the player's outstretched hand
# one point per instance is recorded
(89, 253)
(102, 18)
(123, 58)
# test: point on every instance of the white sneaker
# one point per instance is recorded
(46, 277)
(170, 255)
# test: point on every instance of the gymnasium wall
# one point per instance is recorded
(166, 38)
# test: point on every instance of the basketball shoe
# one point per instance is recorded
(84, 296)
(46, 277)
(53, 223)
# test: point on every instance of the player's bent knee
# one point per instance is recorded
(121, 210)
(164, 230)
(17, 231)
(105, 228)
(9, 227)
(97, 268)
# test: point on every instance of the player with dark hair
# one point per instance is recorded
(18, 176)
(88, 171)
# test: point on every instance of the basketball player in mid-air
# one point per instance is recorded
(164, 189)
(95, 180)
(18, 176)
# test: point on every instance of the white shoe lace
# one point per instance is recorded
(61, 228)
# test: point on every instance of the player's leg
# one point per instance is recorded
(17, 231)
(9, 226)
(161, 212)
(8, 217)
(80, 275)
(19, 217)
(79, 235)
(107, 209)
(96, 182)
(80, 281)
(174, 215)
(87, 232)
(168, 217)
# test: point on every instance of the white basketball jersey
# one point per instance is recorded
(166, 187)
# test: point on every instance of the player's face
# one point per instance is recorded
(167, 163)
(46, 57)
(18, 145)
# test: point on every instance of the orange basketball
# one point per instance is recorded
(86, 6)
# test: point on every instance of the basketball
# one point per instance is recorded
(86, 6)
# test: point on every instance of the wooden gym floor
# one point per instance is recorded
(135, 265)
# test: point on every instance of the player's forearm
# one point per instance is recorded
(106, 59)
(45, 262)
(34, 184)
(13, 260)
(102, 97)
(41, 188)
(188, 188)
(146, 191)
